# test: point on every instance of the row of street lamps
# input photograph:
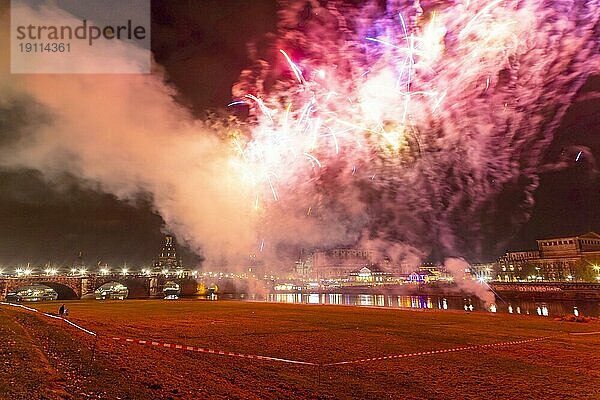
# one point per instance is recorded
(24, 272)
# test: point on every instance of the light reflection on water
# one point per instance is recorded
(548, 308)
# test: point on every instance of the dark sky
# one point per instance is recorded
(568, 200)
(202, 46)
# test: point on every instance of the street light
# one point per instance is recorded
(124, 271)
(104, 271)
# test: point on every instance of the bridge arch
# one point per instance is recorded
(64, 292)
(138, 288)
(112, 290)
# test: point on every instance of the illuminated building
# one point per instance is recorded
(427, 273)
(484, 272)
(339, 263)
(435, 270)
(167, 258)
(371, 274)
(422, 276)
(573, 258)
(303, 267)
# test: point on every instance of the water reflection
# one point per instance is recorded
(32, 293)
(112, 291)
(313, 299)
(335, 298)
(171, 290)
(512, 306)
(364, 300)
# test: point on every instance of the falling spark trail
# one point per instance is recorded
(261, 105)
(294, 67)
(313, 158)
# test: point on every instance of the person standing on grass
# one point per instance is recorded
(61, 310)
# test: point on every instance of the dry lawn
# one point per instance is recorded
(43, 358)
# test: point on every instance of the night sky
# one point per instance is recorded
(202, 46)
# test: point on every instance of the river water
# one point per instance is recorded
(545, 308)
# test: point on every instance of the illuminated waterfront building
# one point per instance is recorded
(483, 271)
(303, 267)
(573, 258)
(339, 263)
(422, 276)
(371, 274)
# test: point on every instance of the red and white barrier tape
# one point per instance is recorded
(426, 353)
(266, 358)
(211, 351)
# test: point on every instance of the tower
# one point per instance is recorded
(167, 258)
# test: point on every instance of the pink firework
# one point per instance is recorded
(404, 123)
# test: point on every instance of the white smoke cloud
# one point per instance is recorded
(457, 267)
(126, 134)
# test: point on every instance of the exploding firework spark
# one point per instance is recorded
(418, 115)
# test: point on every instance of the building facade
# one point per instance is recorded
(574, 258)
(483, 271)
(371, 274)
(339, 263)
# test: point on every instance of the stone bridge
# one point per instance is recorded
(74, 287)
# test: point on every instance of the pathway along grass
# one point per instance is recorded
(561, 367)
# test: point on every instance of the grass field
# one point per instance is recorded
(45, 358)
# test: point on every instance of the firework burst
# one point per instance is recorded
(402, 124)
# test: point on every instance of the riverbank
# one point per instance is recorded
(526, 290)
(314, 334)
